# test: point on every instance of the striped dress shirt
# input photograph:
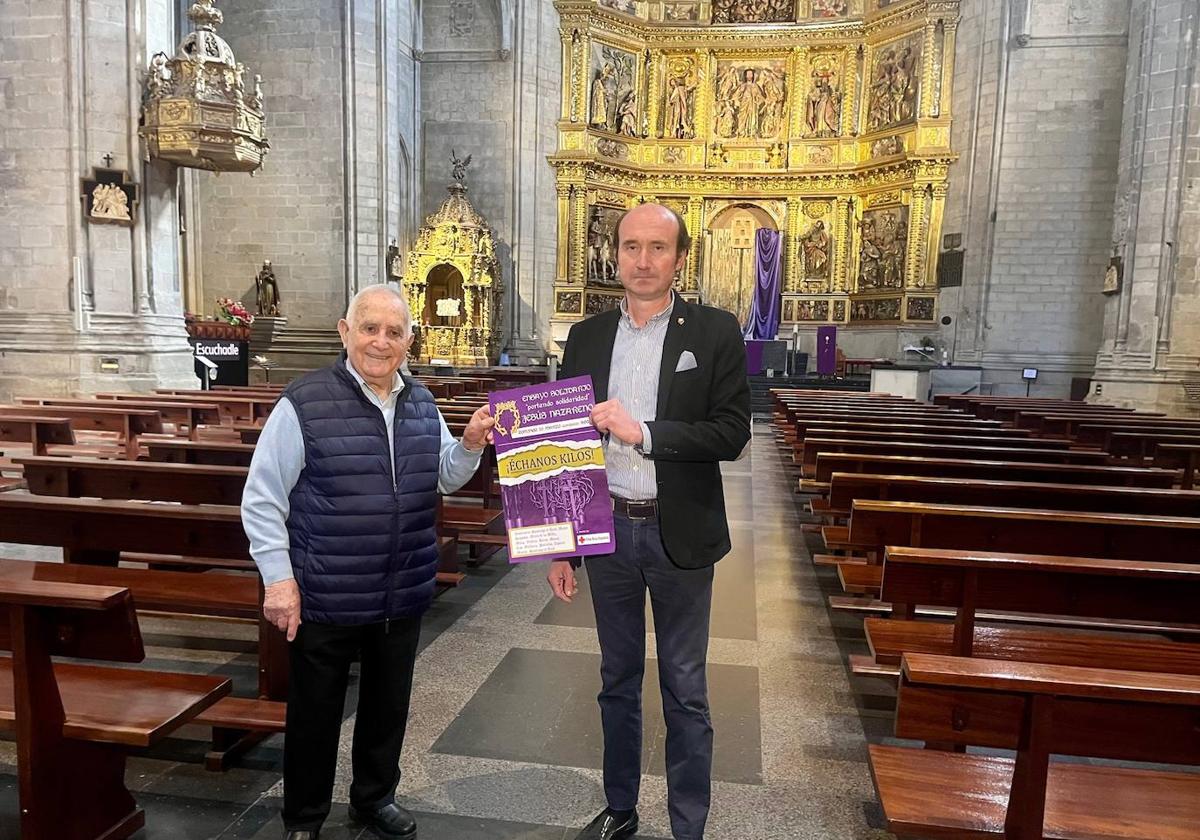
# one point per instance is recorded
(633, 379)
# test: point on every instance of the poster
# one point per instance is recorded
(550, 461)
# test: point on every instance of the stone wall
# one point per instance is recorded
(1033, 200)
(73, 293)
(1151, 342)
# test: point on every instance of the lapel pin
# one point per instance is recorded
(680, 322)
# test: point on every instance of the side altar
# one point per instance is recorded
(826, 122)
(452, 283)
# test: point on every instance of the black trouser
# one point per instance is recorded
(320, 659)
(681, 600)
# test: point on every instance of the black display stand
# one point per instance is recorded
(231, 358)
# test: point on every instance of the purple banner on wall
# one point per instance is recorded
(551, 465)
(766, 305)
(826, 351)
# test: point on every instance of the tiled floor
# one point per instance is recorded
(504, 741)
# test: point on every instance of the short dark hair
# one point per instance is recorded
(683, 241)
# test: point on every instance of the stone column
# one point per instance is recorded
(1151, 343)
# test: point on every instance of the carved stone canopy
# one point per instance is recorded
(199, 110)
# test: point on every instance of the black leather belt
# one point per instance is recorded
(633, 509)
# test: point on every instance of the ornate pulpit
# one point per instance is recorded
(452, 283)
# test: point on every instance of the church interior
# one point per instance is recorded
(961, 239)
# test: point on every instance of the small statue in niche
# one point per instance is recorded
(267, 291)
(627, 117)
(816, 251)
(395, 268)
(458, 166)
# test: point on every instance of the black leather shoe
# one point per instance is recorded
(391, 822)
(301, 835)
(607, 827)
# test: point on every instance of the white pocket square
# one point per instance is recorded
(687, 361)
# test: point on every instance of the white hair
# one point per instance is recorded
(379, 289)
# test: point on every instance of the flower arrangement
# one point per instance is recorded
(232, 312)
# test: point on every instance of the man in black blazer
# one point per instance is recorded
(673, 401)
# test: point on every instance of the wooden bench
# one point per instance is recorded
(126, 423)
(818, 446)
(201, 452)
(74, 723)
(183, 415)
(39, 432)
(1040, 710)
(1103, 594)
(1184, 456)
(845, 488)
(93, 477)
(1072, 533)
(829, 463)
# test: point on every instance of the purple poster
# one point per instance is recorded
(826, 351)
(551, 466)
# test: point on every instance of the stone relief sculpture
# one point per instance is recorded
(613, 93)
(753, 11)
(750, 102)
(882, 248)
(110, 202)
(823, 110)
(893, 87)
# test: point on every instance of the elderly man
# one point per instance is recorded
(340, 508)
(673, 400)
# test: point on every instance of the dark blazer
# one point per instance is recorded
(703, 417)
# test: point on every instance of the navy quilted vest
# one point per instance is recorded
(363, 551)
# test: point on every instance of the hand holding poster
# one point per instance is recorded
(551, 466)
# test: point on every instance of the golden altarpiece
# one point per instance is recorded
(825, 120)
(452, 283)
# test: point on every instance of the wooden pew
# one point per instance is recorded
(1072, 533)
(1040, 710)
(39, 432)
(127, 423)
(182, 414)
(845, 488)
(829, 463)
(210, 453)
(984, 586)
(194, 484)
(819, 446)
(1138, 446)
(821, 428)
(1185, 456)
(236, 407)
(74, 723)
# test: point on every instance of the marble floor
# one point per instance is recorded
(504, 736)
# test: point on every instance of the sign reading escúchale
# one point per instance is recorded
(551, 466)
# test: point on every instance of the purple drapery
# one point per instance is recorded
(766, 305)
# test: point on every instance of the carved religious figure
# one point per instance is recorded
(823, 110)
(110, 202)
(894, 86)
(752, 11)
(883, 248)
(603, 93)
(748, 100)
(266, 291)
(816, 252)
(458, 166)
(627, 116)
(679, 109)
